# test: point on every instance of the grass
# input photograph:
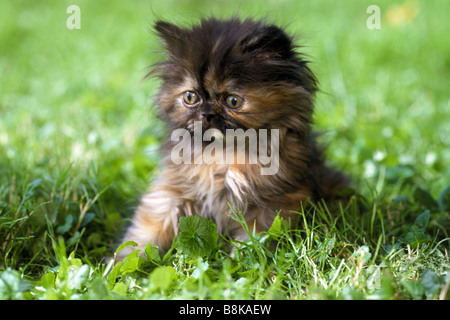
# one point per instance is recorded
(79, 141)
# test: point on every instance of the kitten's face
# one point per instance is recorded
(232, 74)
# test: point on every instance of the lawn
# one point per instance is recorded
(79, 143)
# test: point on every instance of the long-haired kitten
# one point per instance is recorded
(219, 77)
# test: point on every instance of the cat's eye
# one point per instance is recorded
(233, 102)
(190, 98)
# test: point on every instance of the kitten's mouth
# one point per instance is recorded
(207, 124)
(218, 126)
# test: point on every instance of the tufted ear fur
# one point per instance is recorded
(170, 34)
(270, 42)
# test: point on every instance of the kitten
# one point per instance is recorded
(230, 75)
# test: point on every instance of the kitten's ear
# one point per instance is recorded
(169, 33)
(269, 43)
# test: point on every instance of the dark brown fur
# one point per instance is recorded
(259, 63)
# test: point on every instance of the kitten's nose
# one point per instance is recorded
(208, 116)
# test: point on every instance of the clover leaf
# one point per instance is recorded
(198, 236)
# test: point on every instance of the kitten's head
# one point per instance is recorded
(233, 74)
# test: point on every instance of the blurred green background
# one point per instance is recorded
(73, 107)
(76, 94)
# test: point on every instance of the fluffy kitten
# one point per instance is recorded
(233, 75)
